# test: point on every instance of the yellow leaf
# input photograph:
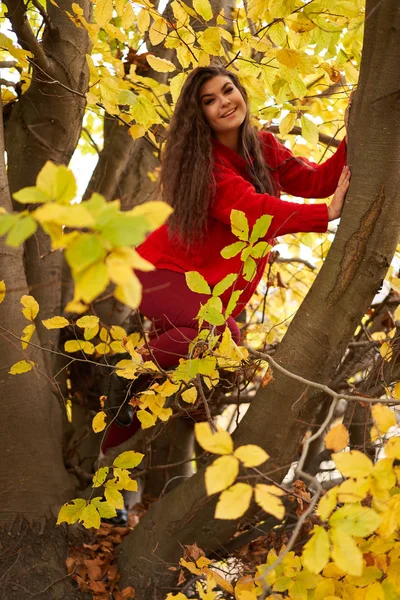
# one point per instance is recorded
(384, 417)
(103, 11)
(374, 591)
(90, 517)
(316, 550)
(396, 391)
(161, 65)
(289, 58)
(147, 420)
(190, 395)
(221, 474)
(234, 501)
(176, 84)
(22, 366)
(71, 512)
(251, 455)
(102, 348)
(99, 422)
(353, 490)
(128, 460)
(386, 351)
(136, 131)
(127, 368)
(27, 334)
(90, 332)
(356, 520)
(2, 290)
(79, 346)
(287, 123)
(324, 589)
(113, 496)
(203, 8)
(190, 566)
(158, 31)
(267, 496)
(245, 589)
(346, 553)
(128, 16)
(392, 448)
(337, 438)
(88, 321)
(55, 323)
(219, 442)
(31, 307)
(353, 464)
(143, 20)
(118, 333)
(156, 213)
(327, 503)
(130, 293)
(309, 131)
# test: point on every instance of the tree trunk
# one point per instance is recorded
(319, 334)
(34, 480)
(45, 124)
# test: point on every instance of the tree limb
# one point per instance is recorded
(17, 16)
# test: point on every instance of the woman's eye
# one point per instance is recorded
(207, 102)
(228, 90)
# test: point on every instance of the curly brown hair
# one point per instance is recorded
(186, 178)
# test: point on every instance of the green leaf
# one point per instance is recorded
(212, 312)
(260, 250)
(233, 300)
(224, 284)
(233, 249)
(239, 225)
(249, 269)
(100, 476)
(260, 228)
(197, 283)
(355, 520)
(30, 195)
(71, 512)
(316, 550)
(84, 251)
(6, 222)
(125, 230)
(128, 460)
(22, 230)
(106, 510)
(90, 517)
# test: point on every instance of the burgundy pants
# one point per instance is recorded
(172, 307)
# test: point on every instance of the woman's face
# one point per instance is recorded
(222, 104)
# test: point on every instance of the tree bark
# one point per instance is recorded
(45, 124)
(319, 334)
(34, 480)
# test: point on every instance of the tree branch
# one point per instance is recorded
(323, 138)
(17, 16)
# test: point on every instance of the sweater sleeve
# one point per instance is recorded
(301, 177)
(234, 192)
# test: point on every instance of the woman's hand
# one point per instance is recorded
(335, 207)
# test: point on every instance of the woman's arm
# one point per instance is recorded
(301, 177)
(234, 192)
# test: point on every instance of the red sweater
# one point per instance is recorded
(234, 190)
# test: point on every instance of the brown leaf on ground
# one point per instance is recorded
(192, 552)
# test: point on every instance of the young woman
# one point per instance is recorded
(215, 161)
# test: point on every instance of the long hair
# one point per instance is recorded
(186, 177)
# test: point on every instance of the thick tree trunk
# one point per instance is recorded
(319, 334)
(45, 124)
(34, 480)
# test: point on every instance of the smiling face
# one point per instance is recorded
(223, 106)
